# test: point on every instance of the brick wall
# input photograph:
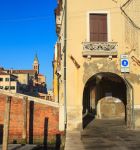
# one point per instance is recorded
(42, 121)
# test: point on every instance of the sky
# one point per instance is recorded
(27, 27)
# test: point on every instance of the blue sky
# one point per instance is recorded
(27, 27)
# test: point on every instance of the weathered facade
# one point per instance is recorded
(94, 36)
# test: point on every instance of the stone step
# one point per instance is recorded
(73, 141)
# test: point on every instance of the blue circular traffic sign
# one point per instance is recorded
(125, 63)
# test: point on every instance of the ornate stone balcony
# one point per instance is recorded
(99, 49)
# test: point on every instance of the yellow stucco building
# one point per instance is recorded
(55, 75)
(100, 60)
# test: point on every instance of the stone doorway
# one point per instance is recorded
(104, 97)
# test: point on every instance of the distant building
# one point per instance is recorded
(36, 64)
(8, 82)
(50, 95)
(25, 81)
(41, 83)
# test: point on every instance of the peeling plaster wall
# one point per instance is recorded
(99, 65)
(121, 31)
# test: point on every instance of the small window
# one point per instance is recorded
(7, 79)
(1, 87)
(1, 79)
(12, 87)
(6, 87)
(59, 54)
(12, 79)
(98, 27)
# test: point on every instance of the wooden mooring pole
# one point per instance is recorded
(24, 134)
(6, 123)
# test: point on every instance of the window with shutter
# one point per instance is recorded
(59, 54)
(98, 28)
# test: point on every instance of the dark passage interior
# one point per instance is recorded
(104, 96)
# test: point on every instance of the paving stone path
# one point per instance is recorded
(104, 135)
(73, 141)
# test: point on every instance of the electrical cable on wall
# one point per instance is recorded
(127, 16)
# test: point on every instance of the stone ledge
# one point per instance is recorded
(99, 53)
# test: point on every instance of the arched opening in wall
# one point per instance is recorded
(104, 97)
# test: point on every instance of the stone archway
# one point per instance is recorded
(104, 96)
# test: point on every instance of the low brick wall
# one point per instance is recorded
(42, 121)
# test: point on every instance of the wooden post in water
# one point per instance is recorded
(24, 133)
(6, 123)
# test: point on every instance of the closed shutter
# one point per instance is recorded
(98, 27)
(59, 54)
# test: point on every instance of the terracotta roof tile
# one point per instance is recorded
(24, 71)
(3, 73)
(40, 75)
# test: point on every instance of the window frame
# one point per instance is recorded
(7, 80)
(6, 88)
(108, 24)
(1, 87)
(12, 87)
(1, 79)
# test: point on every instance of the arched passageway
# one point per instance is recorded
(104, 96)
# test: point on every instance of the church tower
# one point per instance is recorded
(36, 64)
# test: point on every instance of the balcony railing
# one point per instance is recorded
(99, 48)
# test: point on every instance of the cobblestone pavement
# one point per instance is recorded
(104, 135)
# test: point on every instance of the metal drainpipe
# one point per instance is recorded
(65, 45)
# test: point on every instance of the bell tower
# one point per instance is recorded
(36, 64)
